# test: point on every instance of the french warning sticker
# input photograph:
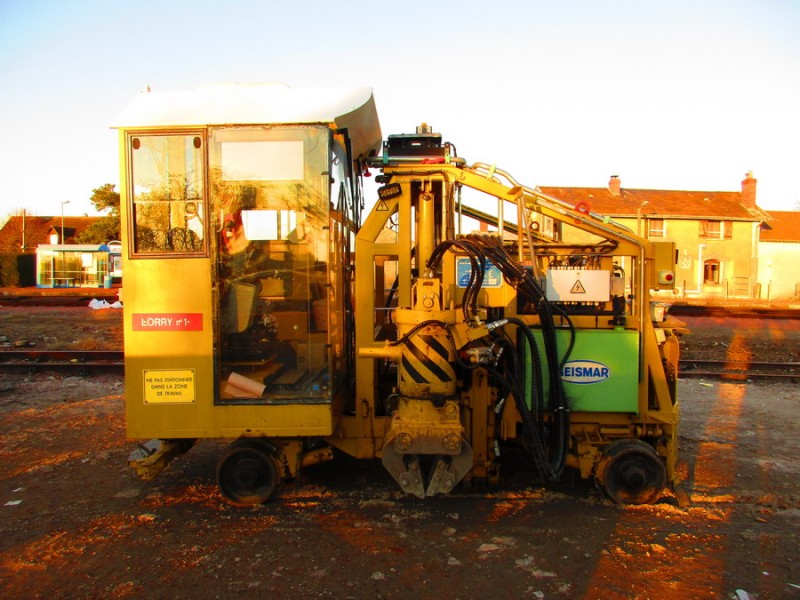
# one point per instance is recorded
(168, 321)
(169, 386)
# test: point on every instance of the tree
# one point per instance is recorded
(15, 212)
(15, 225)
(104, 198)
(11, 244)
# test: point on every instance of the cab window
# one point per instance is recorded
(269, 192)
(168, 193)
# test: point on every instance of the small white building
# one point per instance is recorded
(779, 256)
(73, 265)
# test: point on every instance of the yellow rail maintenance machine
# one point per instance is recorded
(464, 313)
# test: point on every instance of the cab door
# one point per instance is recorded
(270, 200)
(167, 309)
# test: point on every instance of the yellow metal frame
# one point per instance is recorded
(463, 423)
(658, 409)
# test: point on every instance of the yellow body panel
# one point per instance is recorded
(160, 288)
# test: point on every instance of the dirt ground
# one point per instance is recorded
(77, 523)
(61, 328)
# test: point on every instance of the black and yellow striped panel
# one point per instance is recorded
(427, 366)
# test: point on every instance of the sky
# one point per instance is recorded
(681, 94)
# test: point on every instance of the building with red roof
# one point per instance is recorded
(779, 256)
(20, 237)
(716, 233)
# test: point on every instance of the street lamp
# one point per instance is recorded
(62, 221)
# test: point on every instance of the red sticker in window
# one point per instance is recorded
(168, 322)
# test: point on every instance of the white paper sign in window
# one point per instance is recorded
(262, 161)
(268, 224)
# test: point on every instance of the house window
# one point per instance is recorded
(716, 230)
(711, 271)
(656, 228)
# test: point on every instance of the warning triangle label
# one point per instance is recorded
(578, 288)
(382, 206)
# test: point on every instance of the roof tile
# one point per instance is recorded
(675, 204)
(783, 227)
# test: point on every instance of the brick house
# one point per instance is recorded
(716, 233)
(24, 234)
(21, 236)
(779, 256)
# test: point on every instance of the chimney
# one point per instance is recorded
(749, 190)
(613, 185)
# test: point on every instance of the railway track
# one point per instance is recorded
(95, 360)
(739, 370)
(61, 360)
(689, 310)
(735, 312)
(54, 301)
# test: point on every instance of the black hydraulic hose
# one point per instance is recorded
(532, 440)
(559, 406)
(533, 435)
(550, 461)
(390, 296)
(528, 287)
(571, 327)
(412, 332)
(510, 385)
(558, 445)
(477, 272)
(536, 383)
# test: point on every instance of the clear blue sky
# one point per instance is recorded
(671, 95)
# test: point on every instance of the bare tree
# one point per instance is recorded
(14, 224)
(15, 212)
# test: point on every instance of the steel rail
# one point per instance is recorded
(734, 312)
(60, 360)
(52, 301)
(739, 369)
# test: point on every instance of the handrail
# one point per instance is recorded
(595, 220)
(519, 193)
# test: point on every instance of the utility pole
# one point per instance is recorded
(63, 237)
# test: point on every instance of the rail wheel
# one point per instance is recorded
(631, 472)
(247, 473)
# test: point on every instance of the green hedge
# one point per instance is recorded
(9, 271)
(17, 270)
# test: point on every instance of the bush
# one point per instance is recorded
(9, 272)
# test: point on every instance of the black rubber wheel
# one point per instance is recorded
(631, 472)
(247, 473)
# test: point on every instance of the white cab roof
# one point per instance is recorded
(237, 104)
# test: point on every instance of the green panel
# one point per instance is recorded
(602, 373)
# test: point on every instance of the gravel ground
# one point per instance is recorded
(77, 523)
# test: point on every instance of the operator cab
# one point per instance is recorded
(241, 206)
